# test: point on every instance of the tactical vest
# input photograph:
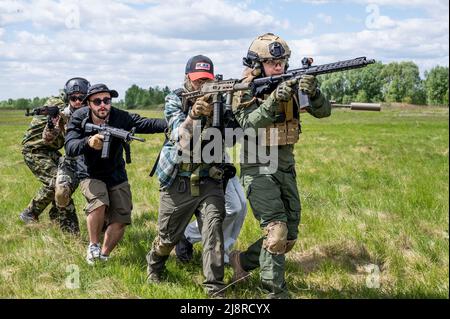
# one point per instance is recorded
(287, 125)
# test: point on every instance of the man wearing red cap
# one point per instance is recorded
(188, 185)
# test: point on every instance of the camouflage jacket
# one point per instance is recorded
(39, 137)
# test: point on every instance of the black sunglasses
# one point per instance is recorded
(98, 101)
(78, 97)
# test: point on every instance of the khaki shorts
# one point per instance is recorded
(117, 199)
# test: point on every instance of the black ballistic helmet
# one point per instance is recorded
(75, 85)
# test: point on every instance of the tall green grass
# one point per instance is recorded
(374, 191)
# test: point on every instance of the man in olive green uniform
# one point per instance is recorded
(40, 151)
(273, 196)
(187, 185)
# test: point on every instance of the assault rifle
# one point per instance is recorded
(266, 84)
(108, 132)
(51, 112)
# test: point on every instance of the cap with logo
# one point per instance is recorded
(199, 67)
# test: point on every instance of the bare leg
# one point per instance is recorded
(113, 235)
(95, 222)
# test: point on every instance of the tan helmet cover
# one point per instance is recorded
(269, 46)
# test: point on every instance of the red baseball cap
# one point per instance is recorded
(200, 67)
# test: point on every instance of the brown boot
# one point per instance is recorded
(235, 262)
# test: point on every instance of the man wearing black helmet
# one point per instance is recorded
(105, 184)
(41, 144)
(70, 169)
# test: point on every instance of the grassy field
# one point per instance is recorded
(374, 188)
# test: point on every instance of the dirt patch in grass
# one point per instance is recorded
(346, 254)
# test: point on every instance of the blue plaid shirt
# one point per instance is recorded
(170, 158)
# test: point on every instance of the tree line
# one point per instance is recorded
(393, 82)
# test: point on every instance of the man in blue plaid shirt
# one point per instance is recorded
(188, 186)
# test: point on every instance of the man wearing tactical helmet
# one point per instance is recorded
(71, 169)
(40, 150)
(273, 196)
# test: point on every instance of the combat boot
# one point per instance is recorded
(216, 295)
(68, 222)
(154, 278)
(238, 272)
(28, 217)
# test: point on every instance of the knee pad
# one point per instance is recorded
(62, 194)
(289, 245)
(63, 179)
(161, 249)
(276, 237)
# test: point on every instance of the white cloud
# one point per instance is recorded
(327, 19)
(424, 41)
(123, 42)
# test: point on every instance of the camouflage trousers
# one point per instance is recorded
(44, 164)
(66, 180)
(176, 208)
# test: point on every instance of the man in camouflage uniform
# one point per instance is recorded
(40, 151)
(273, 196)
(71, 169)
(187, 186)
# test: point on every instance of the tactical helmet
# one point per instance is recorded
(76, 85)
(265, 47)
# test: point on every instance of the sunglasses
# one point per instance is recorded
(98, 101)
(78, 97)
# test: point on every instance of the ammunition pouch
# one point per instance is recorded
(285, 125)
(287, 133)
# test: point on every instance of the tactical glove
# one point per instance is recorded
(96, 141)
(308, 84)
(284, 91)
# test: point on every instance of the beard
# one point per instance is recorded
(101, 114)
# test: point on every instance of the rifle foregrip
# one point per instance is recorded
(106, 145)
(304, 99)
(216, 115)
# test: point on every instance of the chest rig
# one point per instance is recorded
(196, 171)
(286, 125)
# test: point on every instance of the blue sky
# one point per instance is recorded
(147, 42)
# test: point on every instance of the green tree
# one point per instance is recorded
(402, 83)
(131, 96)
(22, 104)
(436, 86)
